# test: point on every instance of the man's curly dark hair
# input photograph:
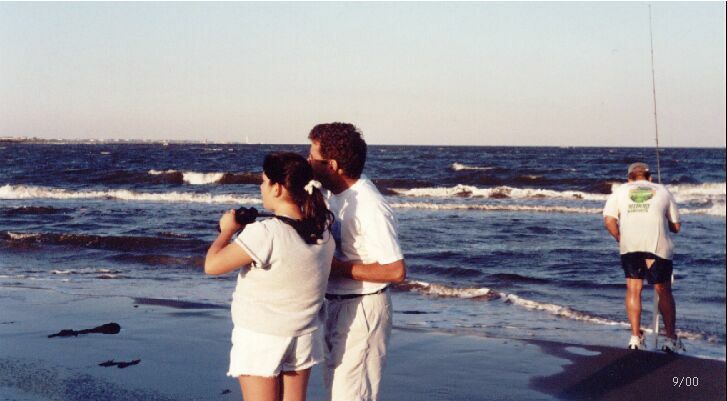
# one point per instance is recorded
(343, 143)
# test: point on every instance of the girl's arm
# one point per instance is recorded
(224, 257)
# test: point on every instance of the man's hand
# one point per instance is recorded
(675, 227)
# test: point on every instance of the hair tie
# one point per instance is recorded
(310, 185)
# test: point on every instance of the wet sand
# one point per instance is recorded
(182, 348)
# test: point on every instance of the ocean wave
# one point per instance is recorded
(682, 192)
(497, 208)
(23, 210)
(202, 178)
(488, 294)
(444, 291)
(197, 178)
(63, 272)
(459, 167)
(34, 192)
(500, 192)
(117, 243)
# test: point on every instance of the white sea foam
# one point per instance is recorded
(159, 172)
(459, 166)
(33, 192)
(566, 312)
(446, 291)
(469, 191)
(682, 192)
(559, 310)
(192, 177)
(201, 178)
(21, 236)
(85, 270)
(496, 207)
(63, 272)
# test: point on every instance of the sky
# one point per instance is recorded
(521, 74)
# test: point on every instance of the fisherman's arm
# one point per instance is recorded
(672, 215)
(611, 224)
(394, 272)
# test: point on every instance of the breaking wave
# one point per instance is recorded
(196, 178)
(23, 210)
(116, 243)
(498, 208)
(33, 192)
(488, 294)
(500, 192)
(459, 167)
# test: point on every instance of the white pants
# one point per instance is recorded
(357, 335)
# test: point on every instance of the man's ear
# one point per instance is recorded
(333, 163)
(277, 189)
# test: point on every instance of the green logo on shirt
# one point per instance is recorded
(641, 194)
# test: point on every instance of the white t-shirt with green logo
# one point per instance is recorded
(643, 210)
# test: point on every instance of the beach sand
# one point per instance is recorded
(183, 351)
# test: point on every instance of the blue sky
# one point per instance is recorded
(564, 74)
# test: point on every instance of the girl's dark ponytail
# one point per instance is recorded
(295, 174)
(316, 213)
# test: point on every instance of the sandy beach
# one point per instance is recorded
(182, 347)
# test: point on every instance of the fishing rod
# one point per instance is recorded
(658, 170)
(653, 93)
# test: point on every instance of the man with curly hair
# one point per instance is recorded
(368, 257)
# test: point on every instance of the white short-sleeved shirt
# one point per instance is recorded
(365, 231)
(283, 290)
(643, 210)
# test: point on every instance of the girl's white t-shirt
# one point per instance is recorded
(282, 291)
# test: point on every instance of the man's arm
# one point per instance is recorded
(611, 224)
(675, 227)
(375, 272)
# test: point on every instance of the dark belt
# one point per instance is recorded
(351, 296)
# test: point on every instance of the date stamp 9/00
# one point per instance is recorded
(685, 381)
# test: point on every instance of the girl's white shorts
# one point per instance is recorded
(266, 355)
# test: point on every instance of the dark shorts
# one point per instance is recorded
(634, 265)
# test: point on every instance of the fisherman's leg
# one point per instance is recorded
(667, 307)
(633, 304)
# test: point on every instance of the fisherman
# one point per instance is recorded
(368, 257)
(640, 215)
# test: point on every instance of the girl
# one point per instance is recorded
(285, 262)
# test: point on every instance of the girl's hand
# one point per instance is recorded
(228, 223)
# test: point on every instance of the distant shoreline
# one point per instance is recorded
(46, 141)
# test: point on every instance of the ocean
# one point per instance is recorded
(504, 242)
